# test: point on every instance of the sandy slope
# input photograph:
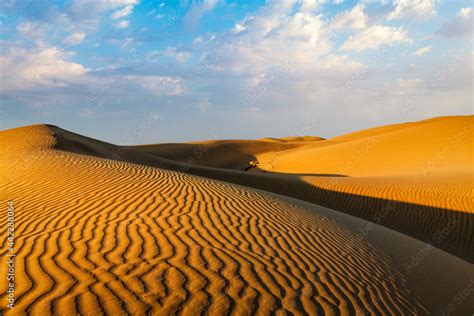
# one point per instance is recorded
(423, 208)
(416, 178)
(228, 154)
(443, 144)
(99, 235)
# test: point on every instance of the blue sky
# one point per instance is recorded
(131, 71)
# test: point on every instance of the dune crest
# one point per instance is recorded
(99, 235)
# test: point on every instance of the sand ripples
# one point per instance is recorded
(100, 236)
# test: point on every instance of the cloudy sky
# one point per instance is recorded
(141, 71)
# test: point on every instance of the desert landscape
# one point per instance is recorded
(379, 222)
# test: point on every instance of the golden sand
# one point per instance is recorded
(97, 235)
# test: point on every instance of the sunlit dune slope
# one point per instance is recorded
(97, 235)
(294, 139)
(437, 145)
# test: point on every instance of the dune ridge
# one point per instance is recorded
(428, 147)
(420, 206)
(100, 235)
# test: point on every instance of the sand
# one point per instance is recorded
(428, 147)
(227, 154)
(416, 178)
(105, 229)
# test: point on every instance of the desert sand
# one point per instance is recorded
(155, 229)
(416, 178)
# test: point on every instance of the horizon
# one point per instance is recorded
(144, 129)
(199, 70)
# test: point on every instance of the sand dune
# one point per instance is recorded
(228, 154)
(432, 146)
(422, 207)
(437, 145)
(416, 178)
(101, 236)
(98, 234)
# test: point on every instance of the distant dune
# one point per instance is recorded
(427, 147)
(108, 229)
(228, 154)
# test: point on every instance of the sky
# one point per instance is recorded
(141, 71)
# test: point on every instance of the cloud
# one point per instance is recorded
(180, 56)
(85, 15)
(376, 36)
(350, 20)
(122, 24)
(274, 36)
(38, 67)
(121, 13)
(197, 10)
(160, 85)
(280, 64)
(465, 13)
(93, 8)
(32, 29)
(311, 5)
(414, 9)
(421, 51)
(74, 38)
(37, 18)
(238, 28)
(459, 26)
(283, 55)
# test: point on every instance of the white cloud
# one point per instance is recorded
(274, 36)
(415, 9)
(122, 24)
(284, 56)
(85, 15)
(351, 20)
(197, 10)
(459, 26)
(376, 36)
(311, 5)
(74, 38)
(465, 13)
(121, 13)
(421, 51)
(160, 85)
(38, 68)
(238, 28)
(401, 86)
(78, 16)
(280, 60)
(31, 29)
(180, 56)
(94, 6)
